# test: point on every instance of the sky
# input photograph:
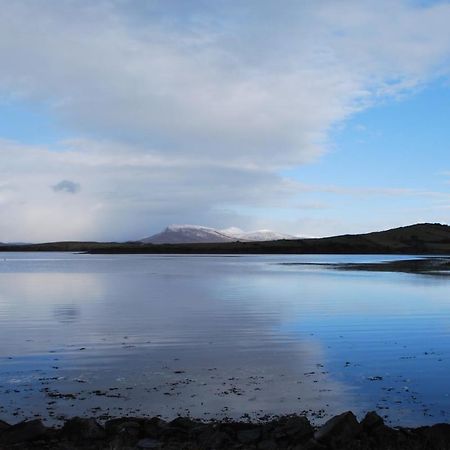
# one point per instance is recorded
(120, 117)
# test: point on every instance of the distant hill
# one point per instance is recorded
(187, 234)
(420, 239)
(192, 234)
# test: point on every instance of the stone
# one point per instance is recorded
(339, 430)
(249, 436)
(79, 429)
(285, 433)
(435, 436)
(312, 444)
(130, 427)
(295, 428)
(268, 444)
(23, 432)
(199, 429)
(154, 427)
(174, 434)
(183, 422)
(4, 426)
(148, 443)
(211, 438)
(371, 421)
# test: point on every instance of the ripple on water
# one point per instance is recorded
(214, 337)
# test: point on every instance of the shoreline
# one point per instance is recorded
(286, 432)
(432, 265)
(418, 239)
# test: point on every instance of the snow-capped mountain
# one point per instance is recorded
(259, 235)
(189, 234)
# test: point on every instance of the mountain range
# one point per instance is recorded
(418, 239)
(191, 234)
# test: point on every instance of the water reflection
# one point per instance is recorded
(222, 336)
(66, 313)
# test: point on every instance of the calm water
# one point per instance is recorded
(220, 336)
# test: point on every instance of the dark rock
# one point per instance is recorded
(127, 426)
(435, 437)
(211, 438)
(249, 436)
(174, 434)
(183, 422)
(148, 443)
(154, 427)
(180, 429)
(79, 429)
(339, 430)
(23, 432)
(294, 428)
(268, 444)
(4, 426)
(385, 437)
(199, 429)
(312, 444)
(343, 432)
(371, 420)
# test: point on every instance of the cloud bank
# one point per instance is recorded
(189, 111)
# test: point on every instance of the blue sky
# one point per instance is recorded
(29, 123)
(307, 118)
(400, 144)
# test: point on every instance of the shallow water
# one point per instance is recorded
(215, 336)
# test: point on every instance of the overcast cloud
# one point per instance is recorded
(190, 114)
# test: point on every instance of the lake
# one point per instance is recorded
(220, 336)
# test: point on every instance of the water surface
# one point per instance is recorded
(215, 336)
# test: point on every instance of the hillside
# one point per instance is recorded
(187, 234)
(419, 239)
(195, 234)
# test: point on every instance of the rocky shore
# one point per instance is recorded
(288, 432)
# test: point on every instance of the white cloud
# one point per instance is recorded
(123, 191)
(181, 112)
